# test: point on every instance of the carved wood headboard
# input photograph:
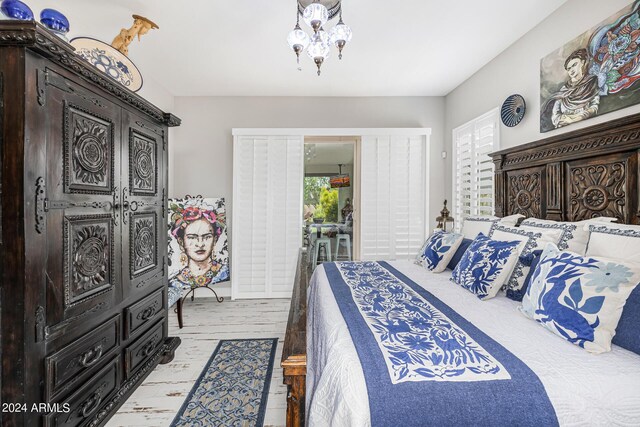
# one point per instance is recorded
(573, 176)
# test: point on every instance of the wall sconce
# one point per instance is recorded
(444, 218)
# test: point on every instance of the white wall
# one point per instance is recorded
(517, 70)
(157, 95)
(201, 153)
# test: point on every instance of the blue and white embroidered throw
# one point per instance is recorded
(438, 250)
(420, 358)
(580, 298)
(418, 341)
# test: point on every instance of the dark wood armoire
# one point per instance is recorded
(83, 241)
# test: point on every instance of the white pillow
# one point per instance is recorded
(438, 250)
(618, 241)
(558, 233)
(511, 220)
(580, 298)
(473, 225)
(573, 236)
(528, 242)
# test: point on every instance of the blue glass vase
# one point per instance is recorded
(15, 9)
(55, 21)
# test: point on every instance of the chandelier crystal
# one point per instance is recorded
(318, 45)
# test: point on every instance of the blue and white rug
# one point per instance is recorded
(233, 388)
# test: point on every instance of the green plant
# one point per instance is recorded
(313, 185)
(329, 204)
(319, 212)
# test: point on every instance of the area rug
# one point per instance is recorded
(233, 388)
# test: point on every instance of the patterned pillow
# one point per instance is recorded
(438, 250)
(617, 241)
(577, 241)
(459, 252)
(473, 225)
(627, 331)
(580, 298)
(531, 261)
(558, 233)
(528, 241)
(485, 266)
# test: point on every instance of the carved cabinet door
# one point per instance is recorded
(77, 201)
(144, 221)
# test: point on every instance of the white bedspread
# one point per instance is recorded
(585, 389)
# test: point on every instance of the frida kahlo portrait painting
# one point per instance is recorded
(198, 253)
(594, 74)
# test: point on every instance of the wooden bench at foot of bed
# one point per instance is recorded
(294, 351)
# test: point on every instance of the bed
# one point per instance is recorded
(574, 176)
(584, 389)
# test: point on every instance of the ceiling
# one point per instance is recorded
(327, 153)
(238, 48)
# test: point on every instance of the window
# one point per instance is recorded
(473, 191)
(321, 198)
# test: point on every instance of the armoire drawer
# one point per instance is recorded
(142, 348)
(81, 356)
(143, 312)
(80, 406)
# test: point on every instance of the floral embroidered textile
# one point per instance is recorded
(438, 250)
(419, 342)
(486, 266)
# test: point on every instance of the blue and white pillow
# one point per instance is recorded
(572, 236)
(528, 242)
(473, 225)
(438, 250)
(580, 298)
(459, 252)
(531, 261)
(558, 233)
(617, 241)
(485, 266)
(629, 326)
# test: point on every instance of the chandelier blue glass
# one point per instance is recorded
(317, 13)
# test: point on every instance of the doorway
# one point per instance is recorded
(330, 181)
(390, 199)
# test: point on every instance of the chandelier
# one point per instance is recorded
(316, 13)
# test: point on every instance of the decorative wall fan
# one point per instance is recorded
(513, 110)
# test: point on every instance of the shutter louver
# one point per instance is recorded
(474, 168)
(267, 215)
(393, 196)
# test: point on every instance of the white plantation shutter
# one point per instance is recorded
(267, 215)
(473, 190)
(393, 196)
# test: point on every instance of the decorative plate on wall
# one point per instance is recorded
(512, 110)
(109, 60)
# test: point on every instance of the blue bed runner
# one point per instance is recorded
(423, 363)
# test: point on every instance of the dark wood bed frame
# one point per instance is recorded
(577, 175)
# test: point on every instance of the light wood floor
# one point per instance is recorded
(157, 400)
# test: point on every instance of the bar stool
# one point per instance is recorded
(347, 240)
(312, 246)
(325, 244)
